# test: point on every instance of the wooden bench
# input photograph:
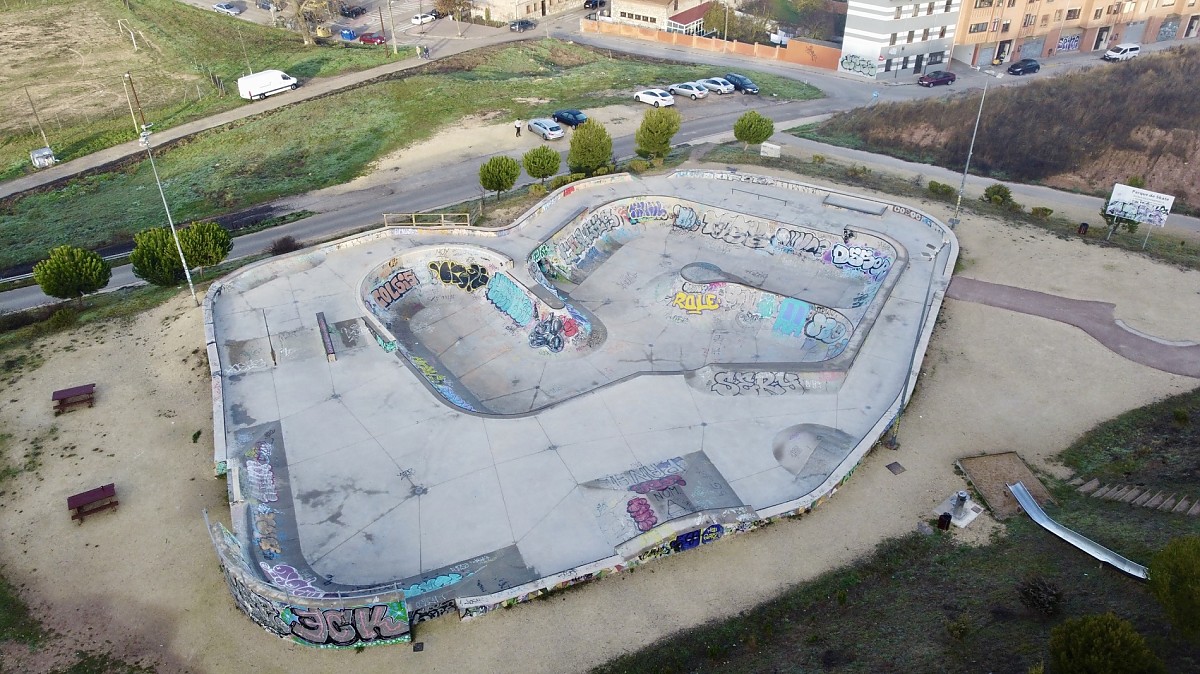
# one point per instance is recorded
(92, 501)
(70, 397)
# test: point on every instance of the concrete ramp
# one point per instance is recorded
(1087, 545)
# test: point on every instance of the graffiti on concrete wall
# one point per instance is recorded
(266, 531)
(394, 288)
(860, 258)
(695, 303)
(641, 512)
(286, 577)
(1168, 30)
(734, 382)
(341, 627)
(467, 277)
(853, 63)
(573, 248)
(553, 332)
(509, 298)
(1069, 43)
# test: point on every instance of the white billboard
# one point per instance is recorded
(1143, 206)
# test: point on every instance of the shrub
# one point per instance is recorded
(1101, 644)
(753, 128)
(819, 159)
(71, 273)
(155, 258)
(63, 318)
(602, 171)
(205, 244)
(1041, 596)
(284, 244)
(1040, 212)
(639, 165)
(537, 190)
(576, 177)
(940, 189)
(1175, 582)
(960, 627)
(998, 194)
(857, 171)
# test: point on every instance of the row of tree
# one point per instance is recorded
(71, 272)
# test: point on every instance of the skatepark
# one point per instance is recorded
(419, 421)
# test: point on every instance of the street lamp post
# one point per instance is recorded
(971, 149)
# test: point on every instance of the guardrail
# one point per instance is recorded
(427, 219)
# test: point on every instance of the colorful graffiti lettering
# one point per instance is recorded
(266, 531)
(641, 512)
(694, 303)
(287, 578)
(686, 541)
(347, 626)
(858, 257)
(686, 218)
(793, 316)
(428, 371)
(574, 246)
(510, 299)
(469, 278)
(658, 484)
(824, 328)
(732, 234)
(394, 288)
(549, 334)
(711, 533)
(431, 584)
(796, 241)
(732, 383)
(641, 211)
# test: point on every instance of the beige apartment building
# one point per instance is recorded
(1001, 31)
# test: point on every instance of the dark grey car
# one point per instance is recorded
(741, 83)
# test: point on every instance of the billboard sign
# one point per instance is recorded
(1142, 206)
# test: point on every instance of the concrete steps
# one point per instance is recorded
(1145, 497)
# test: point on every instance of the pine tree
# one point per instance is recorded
(71, 273)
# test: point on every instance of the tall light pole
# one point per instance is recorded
(144, 141)
(971, 150)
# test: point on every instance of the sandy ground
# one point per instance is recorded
(144, 582)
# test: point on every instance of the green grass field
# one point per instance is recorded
(328, 141)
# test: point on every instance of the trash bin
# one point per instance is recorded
(348, 34)
(944, 521)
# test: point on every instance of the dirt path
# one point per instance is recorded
(144, 578)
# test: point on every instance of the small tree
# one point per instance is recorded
(591, 148)
(498, 174)
(71, 273)
(658, 127)
(155, 258)
(1116, 222)
(1175, 582)
(1101, 644)
(541, 162)
(753, 128)
(205, 244)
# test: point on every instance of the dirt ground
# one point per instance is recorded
(143, 580)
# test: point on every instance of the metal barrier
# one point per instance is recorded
(427, 219)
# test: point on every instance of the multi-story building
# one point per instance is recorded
(891, 38)
(998, 31)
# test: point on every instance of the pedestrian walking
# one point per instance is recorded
(517, 125)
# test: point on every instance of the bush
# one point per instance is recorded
(654, 135)
(940, 189)
(71, 273)
(819, 159)
(1101, 644)
(998, 194)
(602, 171)
(63, 318)
(857, 172)
(1041, 596)
(591, 148)
(155, 257)
(639, 165)
(537, 190)
(753, 128)
(284, 244)
(1175, 582)
(1040, 212)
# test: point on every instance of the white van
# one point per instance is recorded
(1122, 52)
(261, 85)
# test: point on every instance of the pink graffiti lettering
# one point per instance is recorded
(394, 288)
(288, 578)
(345, 626)
(374, 622)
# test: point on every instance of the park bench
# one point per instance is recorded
(70, 397)
(92, 501)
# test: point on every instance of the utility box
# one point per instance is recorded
(769, 150)
(43, 157)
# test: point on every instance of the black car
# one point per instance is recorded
(741, 83)
(522, 25)
(437, 13)
(351, 11)
(1024, 67)
(571, 118)
(593, 4)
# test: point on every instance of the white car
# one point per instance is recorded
(717, 84)
(656, 97)
(422, 19)
(548, 129)
(226, 8)
(692, 90)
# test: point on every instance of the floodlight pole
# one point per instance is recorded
(971, 149)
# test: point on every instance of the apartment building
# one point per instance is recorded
(890, 39)
(1000, 31)
(509, 10)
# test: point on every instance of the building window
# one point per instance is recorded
(893, 40)
(925, 35)
(1072, 14)
(950, 3)
(929, 9)
(1098, 14)
(982, 3)
(911, 35)
(1030, 19)
(1058, 15)
(1004, 25)
(978, 28)
(942, 33)
(1045, 20)
(1012, 3)
(899, 10)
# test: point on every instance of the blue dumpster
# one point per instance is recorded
(348, 34)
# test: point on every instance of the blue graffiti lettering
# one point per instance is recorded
(510, 299)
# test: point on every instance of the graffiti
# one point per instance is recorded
(510, 299)
(824, 328)
(1068, 43)
(427, 370)
(915, 215)
(686, 541)
(431, 584)
(253, 364)
(797, 241)
(431, 611)
(641, 211)
(548, 333)
(641, 512)
(858, 65)
(260, 609)
(623, 481)
(732, 383)
(793, 316)
(732, 234)
(686, 218)
(864, 259)
(260, 479)
(287, 578)
(694, 303)
(266, 531)
(573, 247)
(346, 626)
(627, 280)
(659, 484)
(467, 278)
(394, 288)
(712, 533)
(767, 305)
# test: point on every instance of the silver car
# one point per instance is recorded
(692, 90)
(226, 8)
(717, 84)
(548, 129)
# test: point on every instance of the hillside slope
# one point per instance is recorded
(1082, 131)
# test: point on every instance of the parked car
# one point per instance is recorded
(932, 79)
(351, 11)
(717, 84)
(372, 38)
(522, 25)
(593, 4)
(656, 97)
(742, 83)
(692, 90)
(1024, 67)
(1122, 52)
(548, 129)
(437, 13)
(227, 8)
(571, 118)
(422, 19)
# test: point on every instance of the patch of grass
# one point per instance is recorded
(90, 662)
(16, 624)
(291, 150)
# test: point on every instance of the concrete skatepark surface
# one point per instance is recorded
(634, 368)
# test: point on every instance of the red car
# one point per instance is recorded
(936, 77)
(372, 38)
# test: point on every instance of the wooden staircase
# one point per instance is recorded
(1145, 497)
